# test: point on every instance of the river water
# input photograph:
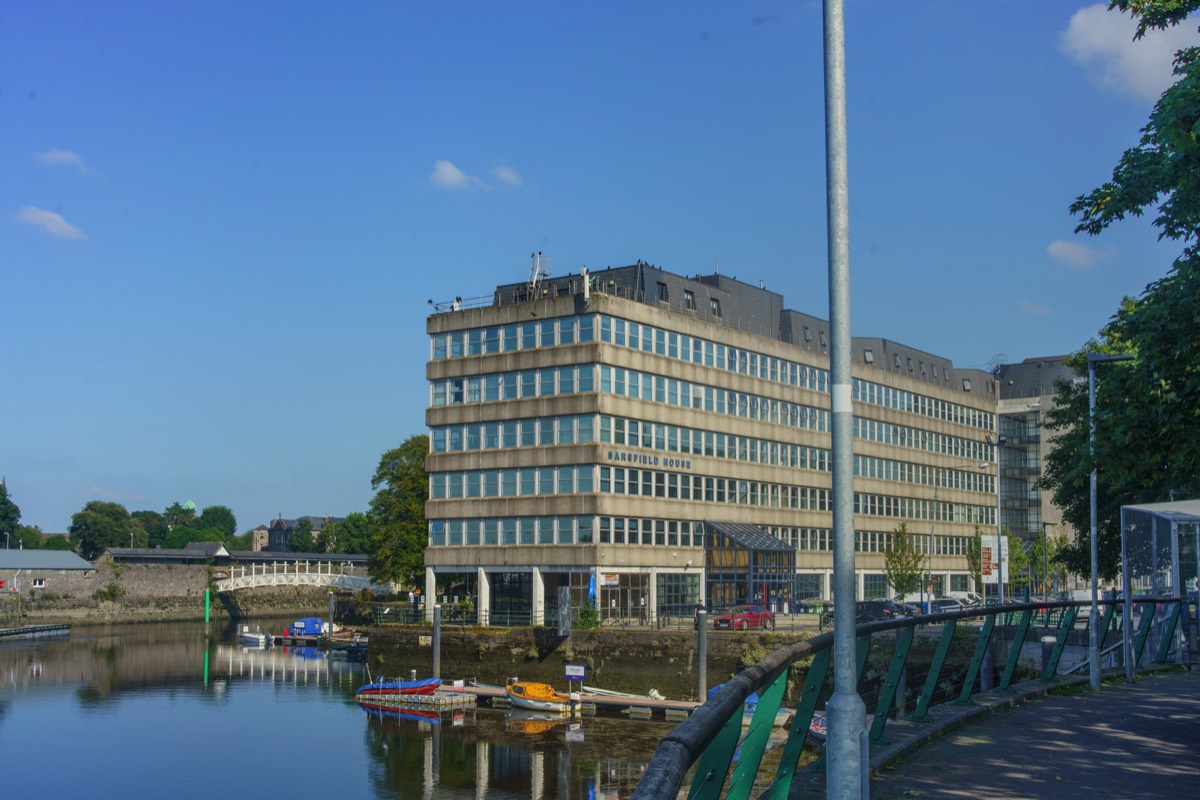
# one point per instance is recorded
(166, 710)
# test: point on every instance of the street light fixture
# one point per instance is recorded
(1094, 627)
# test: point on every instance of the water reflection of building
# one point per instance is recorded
(484, 757)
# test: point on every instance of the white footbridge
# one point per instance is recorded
(330, 574)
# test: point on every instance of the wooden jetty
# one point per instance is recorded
(632, 706)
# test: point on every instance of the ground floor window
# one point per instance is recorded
(677, 594)
(874, 585)
(810, 586)
(624, 597)
(960, 583)
(512, 598)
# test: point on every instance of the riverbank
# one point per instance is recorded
(620, 660)
(117, 593)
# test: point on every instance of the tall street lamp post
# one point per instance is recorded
(1094, 627)
(998, 442)
(1045, 561)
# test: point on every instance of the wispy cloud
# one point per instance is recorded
(506, 174)
(448, 176)
(54, 157)
(1035, 309)
(50, 222)
(1075, 255)
(1102, 42)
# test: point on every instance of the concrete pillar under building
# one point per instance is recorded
(483, 600)
(430, 593)
(652, 598)
(538, 585)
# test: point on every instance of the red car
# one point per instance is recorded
(740, 618)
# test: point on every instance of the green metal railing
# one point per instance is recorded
(905, 668)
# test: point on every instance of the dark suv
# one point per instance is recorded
(867, 611)
(874, 610)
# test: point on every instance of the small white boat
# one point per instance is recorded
(255, 637)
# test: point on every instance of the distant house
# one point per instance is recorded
(260, 538)
(59, 571)
(279, 535)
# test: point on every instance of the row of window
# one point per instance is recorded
(580, 429)
(631, 530)
(623, 333)
(693, 441)
(873, 430)
(913, 403)
(529, 432)
(496, 386)
(509, 338)
(579, 479)
(631, 383)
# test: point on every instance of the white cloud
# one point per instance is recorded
(54, 157)
(447, 175)
(50, 222)
(1102, 43)
(506, 174)
(1033, 308)
(1075, 255)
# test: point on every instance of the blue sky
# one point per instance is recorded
(220, 223)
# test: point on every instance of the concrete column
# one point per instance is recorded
(430, 593)
(652, 598)
(539, 598)
(483, 603)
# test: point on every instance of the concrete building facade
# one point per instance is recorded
(648, 440)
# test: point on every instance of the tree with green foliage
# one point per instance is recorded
(10, 513)
(154, 525)
(220, 518)
(975, 559)
(302, 540)
(350, 535)
(176, 515)
(397, 514)
(99, 526)
(1147, 418)
(903, 563)
(27, 537)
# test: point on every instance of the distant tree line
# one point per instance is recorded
(392, 531)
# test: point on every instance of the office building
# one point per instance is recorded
(648, 439)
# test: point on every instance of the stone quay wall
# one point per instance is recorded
(618, 660)
(148, 592)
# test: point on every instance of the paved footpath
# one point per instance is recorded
(1130, 742)
(1133, 741)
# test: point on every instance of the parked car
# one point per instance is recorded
(873, 610)
(942, 605)
(740, 618)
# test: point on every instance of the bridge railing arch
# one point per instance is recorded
(956, 660)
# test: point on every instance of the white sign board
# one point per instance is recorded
(576, 672)
(991, 570)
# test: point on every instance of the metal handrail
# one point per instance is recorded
(704, 739)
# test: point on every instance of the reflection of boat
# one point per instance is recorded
(536, 696)
(782, 717)
(387, 688)
(528, 722)
(256, 637)
(392, 712)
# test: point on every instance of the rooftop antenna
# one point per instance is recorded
(538, 270)
(995, 361)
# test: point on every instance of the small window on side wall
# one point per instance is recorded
(868, 357)
(715, 304)
(966, 384)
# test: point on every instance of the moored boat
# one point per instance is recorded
(383, 687)
(255, 637)
(536, 696)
